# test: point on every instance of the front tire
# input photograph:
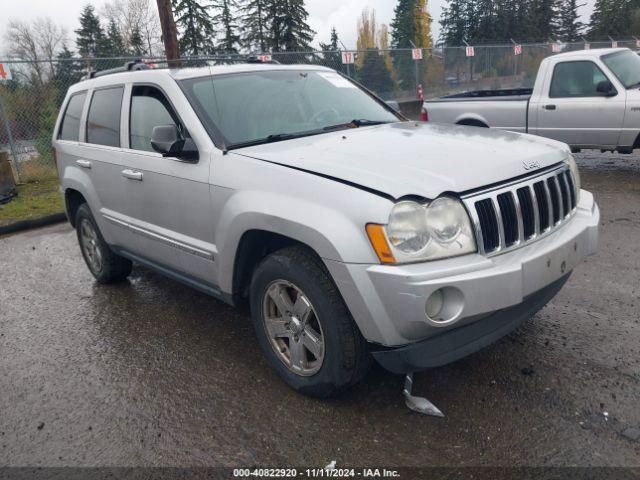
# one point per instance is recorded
(303, 326)
(104, 264)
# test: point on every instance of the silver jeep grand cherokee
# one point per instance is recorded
(350, 232)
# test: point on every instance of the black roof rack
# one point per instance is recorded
(128, 67)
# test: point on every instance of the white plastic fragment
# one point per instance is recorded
(418, 404)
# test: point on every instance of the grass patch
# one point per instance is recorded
(34, 200)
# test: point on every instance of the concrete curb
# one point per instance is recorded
(30, 224)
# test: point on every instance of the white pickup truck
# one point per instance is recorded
(587, 99)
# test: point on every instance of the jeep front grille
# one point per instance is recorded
(512, 215)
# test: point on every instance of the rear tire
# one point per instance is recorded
(103, 263)
(304, 327)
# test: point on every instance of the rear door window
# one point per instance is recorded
(576, 79)
(70, 127)
(149, 109)
(103, 121)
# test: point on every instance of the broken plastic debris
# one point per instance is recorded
(418, 404)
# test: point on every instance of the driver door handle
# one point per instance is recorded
(549, 107)
(132, 175)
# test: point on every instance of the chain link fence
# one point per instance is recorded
(29, 102)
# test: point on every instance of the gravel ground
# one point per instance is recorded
(150, 372)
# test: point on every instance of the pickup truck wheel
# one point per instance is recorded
(303, 325)
(105, 265)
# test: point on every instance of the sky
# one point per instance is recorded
(323, 14)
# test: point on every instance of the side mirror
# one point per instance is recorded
(167, 140)
(606, 88)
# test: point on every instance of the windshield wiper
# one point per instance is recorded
(277, 137)
(356, 123)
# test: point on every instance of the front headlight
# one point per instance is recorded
(418, 232)
(573, 166)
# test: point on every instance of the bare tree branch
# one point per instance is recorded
(131, 14)
(38, 42)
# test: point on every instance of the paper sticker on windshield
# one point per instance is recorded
(336, 80)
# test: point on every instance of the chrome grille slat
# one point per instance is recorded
(519, 217)
(572, 188)
(509, 218)
(556, 185)
(566, 198)
(536, 214)
(492, 224)
(476, 227)
(496, 208)
(549, 206)
(528, 214)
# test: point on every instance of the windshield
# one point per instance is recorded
(260, 107)
(625, 66)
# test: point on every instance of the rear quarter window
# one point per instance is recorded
(70, 127)
(103, 121)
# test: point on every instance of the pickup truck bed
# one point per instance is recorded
(506, 94)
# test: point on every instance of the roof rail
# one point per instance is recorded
(134, 65)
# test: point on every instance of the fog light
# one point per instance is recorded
(434, 304)
(444, 306)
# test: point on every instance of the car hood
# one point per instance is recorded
(408, 158)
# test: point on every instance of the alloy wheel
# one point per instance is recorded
(90, 245)
(293, 327)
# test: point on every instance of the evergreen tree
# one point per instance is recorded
(543, 20)
(453, 23)
(297, 33)
(275, 13)
(333, 42)
(569, 27)
(289, 29)
(114, 44)
(512, 18)
(483, 22)
(67, 72)
(255, 30)
(374, 73)
(136, 42)
(331, 53)
(195, 25)
(402, 25)
(89, 37)
(411, 25)
(616, 18)
(225, 22)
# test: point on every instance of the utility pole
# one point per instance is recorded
(169, 33)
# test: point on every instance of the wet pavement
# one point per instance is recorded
(150, 372)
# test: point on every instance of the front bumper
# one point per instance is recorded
(388, 302)
(457, 343)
